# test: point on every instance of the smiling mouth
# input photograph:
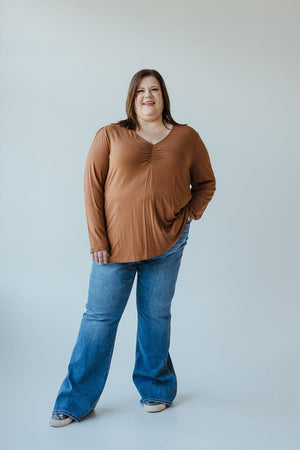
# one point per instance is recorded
(149, 103)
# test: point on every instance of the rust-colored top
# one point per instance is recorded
(138, 195)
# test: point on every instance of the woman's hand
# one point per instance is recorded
(101, 256)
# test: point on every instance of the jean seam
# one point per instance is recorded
(108, 359)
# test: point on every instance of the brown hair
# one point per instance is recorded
(131, 122)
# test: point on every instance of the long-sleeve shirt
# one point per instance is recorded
(138, 195)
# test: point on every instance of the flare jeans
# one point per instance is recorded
(109, 289)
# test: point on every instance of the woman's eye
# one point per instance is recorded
(154, 89)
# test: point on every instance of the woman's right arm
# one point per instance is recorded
(95, 172)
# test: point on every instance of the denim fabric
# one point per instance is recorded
(109, 289)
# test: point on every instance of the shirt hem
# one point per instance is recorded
(134, 259)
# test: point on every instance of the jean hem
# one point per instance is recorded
(153, 399)
(67, 413)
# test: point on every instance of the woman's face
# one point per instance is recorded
(148, 102)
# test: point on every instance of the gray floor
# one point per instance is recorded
(207, 413)
(238, 381)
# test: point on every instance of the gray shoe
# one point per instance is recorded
(154, 406)
(60, 420)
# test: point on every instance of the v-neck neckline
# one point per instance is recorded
(156, 143)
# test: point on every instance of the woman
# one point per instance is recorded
(146, 178)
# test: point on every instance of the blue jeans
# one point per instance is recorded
(109, 289)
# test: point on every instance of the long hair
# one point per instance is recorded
(131, 122)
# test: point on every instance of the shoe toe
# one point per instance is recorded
(153, 406)
(60, 420)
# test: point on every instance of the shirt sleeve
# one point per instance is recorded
(202, 180)
(95, 172)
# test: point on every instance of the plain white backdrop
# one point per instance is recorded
(232, 72)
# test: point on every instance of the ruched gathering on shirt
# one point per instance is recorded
(138, 195)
